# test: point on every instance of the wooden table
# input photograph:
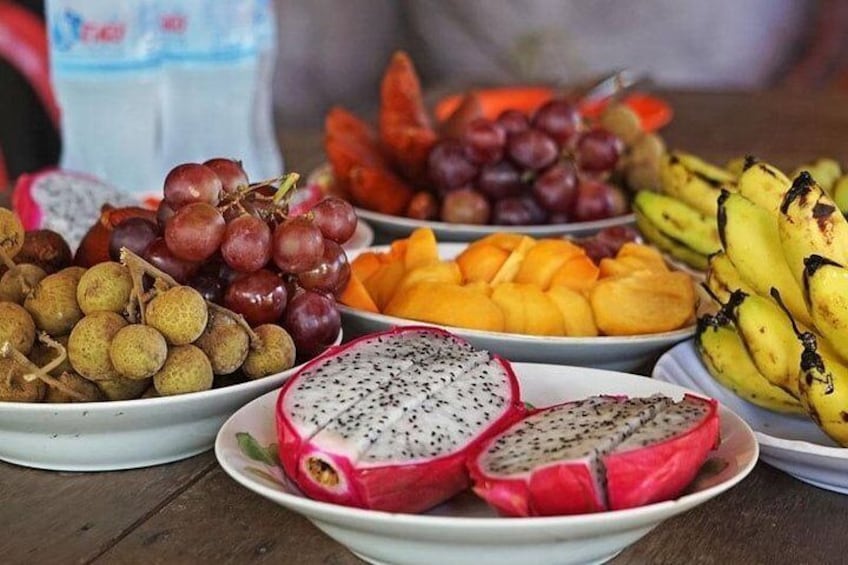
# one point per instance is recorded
(191, 512)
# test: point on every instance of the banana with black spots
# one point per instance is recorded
(693, 181)
(823, 389)
(826, 291)
(674, 248)
(722, 278)
(762, 184)
(678, 221)
(824, 169)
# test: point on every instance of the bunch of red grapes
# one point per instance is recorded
(550, 167)
(236, 244)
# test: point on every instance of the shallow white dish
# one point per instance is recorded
(793, 444)
(621, 353)
(398, 226)
(127, 434)
(465, 529)
(363, 237)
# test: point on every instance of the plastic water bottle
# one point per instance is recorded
(210, 66)
(269, 161)
(105, 70)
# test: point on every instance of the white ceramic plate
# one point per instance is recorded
(127, 434)
(465, 529)
(793, 444)
(621, 353)
(398, 226)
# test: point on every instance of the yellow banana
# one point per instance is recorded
(678, 221)
(809, 223)
(674, 248)
(693, 181)
(769, 337)
(826, 288)
(824, 390)
(722, 277)
(763, 184)
(840, 193)
(824, 169)
(749, 236)
(725, 358)
(735, 166)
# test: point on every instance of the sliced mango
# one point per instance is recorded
(443, 271)
(479, 286)
(365, 264)
(381, 285)
(511, 266)
(421, 249)
(544, 259)
(356, 295)
(527, 310)
(397, 251)
(648, 253)
(578, 319)
(579, 273)
(447, 304)
(507, 241)
(481, 262)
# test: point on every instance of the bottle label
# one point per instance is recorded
(199, 30)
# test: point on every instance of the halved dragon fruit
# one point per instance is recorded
(65, 202)
(386, 421)
(600, 453)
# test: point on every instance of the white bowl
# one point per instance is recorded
(465, 530)
(621, 353)
(126, 434)
(793, 444)
(398, 226)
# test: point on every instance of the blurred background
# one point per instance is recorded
(333, 52)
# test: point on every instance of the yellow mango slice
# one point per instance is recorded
(648, 253)
(527, 310)
(643, 303)
(479, 286)
(381, 285)
(623, 266)
(481, 262)
(421, 248)
(365, 264)
(579, 273)
(447, 304)
(578, 319)
(544, 259)
(356, 295)
(507, 241)
(511, 266)
(443, 271)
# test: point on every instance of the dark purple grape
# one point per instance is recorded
(517, 211)
(595, 249)
(230, 172)
(247, 244)
(195, 232)
(297, 245)
(500, 180)
(158, 255)
(448, 167)
(559, 119)
(556, 188)
(532, 149)
(484, 141)
(260, 297)
(538, 215)
(313, 321)
(210, 287)
(513, 121)
(133, 233)
(598, 150)
(191, 182)
(335, 218)
(331, 274)
(465, 206)
(616, 236)
(558, 218)
(163, 214)
(596, 200)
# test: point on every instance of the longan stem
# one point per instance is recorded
(41, 372)
(4, 257)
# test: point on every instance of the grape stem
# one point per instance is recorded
(138, 267)
(288, 182)
(41, 373)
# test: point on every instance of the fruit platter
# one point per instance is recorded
(543, 171)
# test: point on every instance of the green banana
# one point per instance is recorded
(749, 236)
(693, 181)
(678, 221)
(824, 390)
(674, 248)
(769, 337)
(763, 184)
(809, 223)
(725, 358)
(826, 291)
(722, 277)
(824, 169)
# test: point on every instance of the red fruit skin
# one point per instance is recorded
(413, 487)
(661, 472)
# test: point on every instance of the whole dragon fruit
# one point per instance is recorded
(386, 421)
(601, 453)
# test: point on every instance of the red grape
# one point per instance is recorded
(158, 255)
(335, 218)
(313, 322)
(556, 188)
(532, 149)
(246, 246)
(448, 167)
(616, 236)
(465, 206)
(513, 121)
(484, 141)
(598, 150)
(230, 172)
(260, 297)
(559, 119)
(423, 206)
(518, 211)
(595, 249)
(209, 286)
(133, 233)
(331, 274)
(297, 245)
(500, 180)
(596, 200)
(195, 232)
(163, 214)
(191, 182)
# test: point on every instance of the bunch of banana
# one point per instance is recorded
(681, 219)
(780, 339)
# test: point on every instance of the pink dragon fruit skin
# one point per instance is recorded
(438, 394)
(601, 453)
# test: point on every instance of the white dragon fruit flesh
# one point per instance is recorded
(600, 453)
(387, 421)
(65, 202)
